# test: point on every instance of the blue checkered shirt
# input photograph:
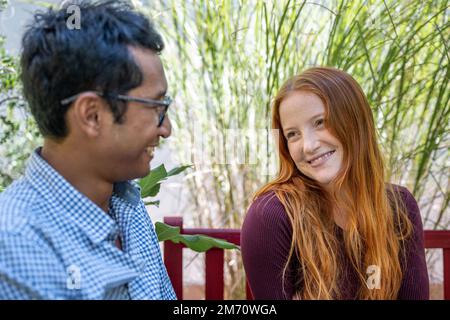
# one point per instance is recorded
(57, 244)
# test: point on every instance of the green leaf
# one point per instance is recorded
(152, 203)
(151, 183)
(202, 243)
(198, 242)
(178, 170)
(165, 231)
(152, 192)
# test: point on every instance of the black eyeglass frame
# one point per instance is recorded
(150, 103)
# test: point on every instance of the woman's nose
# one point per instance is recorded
(310, 144)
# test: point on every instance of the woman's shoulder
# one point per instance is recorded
(406, 195)
(267, 201)
(400, 189)
(410, 203)
(267, 205)
(267, 210)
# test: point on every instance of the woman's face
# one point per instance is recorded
(315, 151)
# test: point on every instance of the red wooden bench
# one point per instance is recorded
(214, 284)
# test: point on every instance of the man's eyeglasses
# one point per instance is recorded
(162, 105)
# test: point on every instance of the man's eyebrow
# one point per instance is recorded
(162, 94)
(159, 95)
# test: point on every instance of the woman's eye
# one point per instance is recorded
(319, 122)
(290, 135)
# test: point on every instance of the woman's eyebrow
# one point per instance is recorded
(316, 116)
(287, 129)
(310, 120)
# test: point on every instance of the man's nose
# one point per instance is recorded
(165, 130)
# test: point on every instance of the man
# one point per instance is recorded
(75, 227)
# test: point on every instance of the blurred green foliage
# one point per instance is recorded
(18, 131)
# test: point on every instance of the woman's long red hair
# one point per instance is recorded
(377, 222)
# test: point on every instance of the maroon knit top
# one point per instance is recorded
(266, 240)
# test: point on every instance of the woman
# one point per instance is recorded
(328, 226)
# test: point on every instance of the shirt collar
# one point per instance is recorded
(77, 207)
(128, 191)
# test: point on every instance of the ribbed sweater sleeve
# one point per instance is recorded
(265, 243)
(415, 283)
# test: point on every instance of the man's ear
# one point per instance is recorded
(88, 114)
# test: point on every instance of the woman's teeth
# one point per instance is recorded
(325, 156)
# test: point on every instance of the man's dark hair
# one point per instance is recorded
(58, 62)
